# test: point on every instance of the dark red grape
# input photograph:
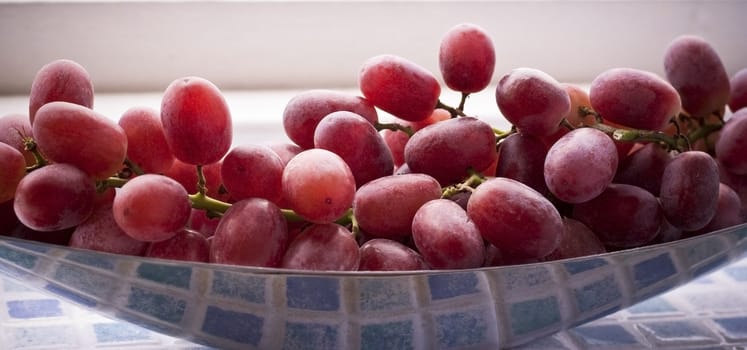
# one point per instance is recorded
(522, 157)
(381, 254)
(732, 143)
(689, 190)
(644, 167)
(738, 90)
(577, 240)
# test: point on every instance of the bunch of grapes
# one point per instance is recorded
(636, 159)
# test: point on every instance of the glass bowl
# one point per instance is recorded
(242, 307)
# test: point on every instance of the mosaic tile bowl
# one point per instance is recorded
(246, 308)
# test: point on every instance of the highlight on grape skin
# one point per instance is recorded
(393, 176)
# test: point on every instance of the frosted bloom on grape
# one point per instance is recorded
(532, 100)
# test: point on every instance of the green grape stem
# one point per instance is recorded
(474, 180)
(30, 145)
(133, 166)
(455, 112)
(394, 127)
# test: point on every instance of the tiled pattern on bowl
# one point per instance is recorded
(231, 307)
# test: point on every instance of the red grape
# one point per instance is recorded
(580, 165)
(304, 111)
(400, 87)
(634, 98)
(644, 167)
(623, 216)
(73, 134)
(522, 157)
(323, 247)
(577, 240)
(689, 190)
(54, 197)
(381, 254)
(448, 149)
(738, 90)
(695, 70)
(732, 143)
(13, 129)
(579, 98)
(151, 207)
(357, 142)
(385, 207)
(252, 232)
(446, 237)
(196, 121)
(285, 151)
(318, 185)
(253, 171)
(466, 58)
(146, 142)
(395, 141)
(186, 245)
(532, 100)
(12, 170)
(728, 211)
(518, 220)
(199, 221)
(60, 80)
(101, 233)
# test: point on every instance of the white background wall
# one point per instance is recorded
(144, 45)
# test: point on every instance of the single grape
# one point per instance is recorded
(100, 232)
(732, 142)
(580, 165)
(323, 247)
(728, 211)
(399, 87)
(577, 240)
(522, 157)
(196, 121)
(532, 100)
(634, 98)
(73, 134)
(13, 129)
(689, 190)
(448, 150)
(146, 142)
(738, 90)
(518, 220)
(151, 207)
(253, 232)
(304, 111)
(54, 197)
(186, 245)
(466, 58)
(381, 254)
(60, 80)
(385, 207)
(695, 70)
(318, 185)
(446, 237)
(253, 171)
(623, 216)
(12, 170)
(357, 142)
(644, 167)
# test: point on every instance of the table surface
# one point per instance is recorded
(707, 313)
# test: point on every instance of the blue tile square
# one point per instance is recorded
(55, 336)
(313, 293)
(445, 286)
(733, 328)
(312, 336)
(388, 336)
(33, 308)
(605, 335)
(531, 315)
(240, 327)
(597, 294)
(678, 331)
(463, 328)
(115, 332)
(18, 258)
(92, 260)
(653, 270)
(577, 266)
(160, 306)
(86, 280)
(384, 294)
(527, 277)
(70, 295)
(172, 275)
(238, 286)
